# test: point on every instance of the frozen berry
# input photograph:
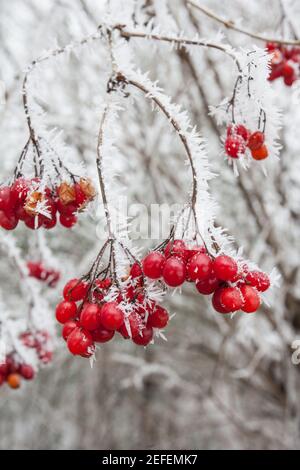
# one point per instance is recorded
(90, 316)
(231, 298)
(68, 327)
(80, 342)
(144, 337)
(153, 265)
(235, 146)
(225, 268)
(259, 280)
(159, 318)
(261, 153)
(111, 316)
(199, 267)
(208, 286)
(256, 140)
(75, 290)
(174, 272)
(101, 335)
(65, 311)
(251, 298)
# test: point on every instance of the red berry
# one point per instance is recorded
(68, 221)
(65, 311)
(260, 154)
(251, 298)
(135, 326)
(234, 146)
(35, 269)
(144, 337)
(8, 222)
(136, 270)
(80, 342)
(4, 368)
(75, 290)
(68, 210)
(289, 80)
(199, 267)
(259, 280)
(159, 318)
(68, 327)
(80, 197)
(225, 268)
(45, 356)
(101, 335)
(90, 316)
(153, 265)
(208, 286)
(174, 272)
(7, 203)
(111, 316)
(176, 248)
(19, 190)
(238, 129)
(27, 371)
(216, 301)
(33, 222)
(288, 70)
(231, 299)
(256, 140)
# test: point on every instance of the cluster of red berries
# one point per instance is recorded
(284, 63)
(40, 340)
(233, 287)
(12, 371)
(26, 200)
(239, 138)
(47, 275)
(95, 320)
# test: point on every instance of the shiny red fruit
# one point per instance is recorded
(174, 271)
(240, 130)
(68, 221)
(135, 326)
(90, 316)
(65, 311)
(216, 301)
(75, 290)
(101, 335)
(259, 280)
(27, 371)
(159, 318)
(8, 222)
(199, 267)
(7, 203)
(80, 342)
(225, 268)
(19, 190)
(231, 299)
(256, 140)
(144, 337)
(153, 265)
(175, 248)
(136, 270)
(68, 327)
(111, 316)
(251, 298)
(208, 286)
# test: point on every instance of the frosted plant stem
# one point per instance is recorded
(229, 24)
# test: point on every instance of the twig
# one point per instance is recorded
(230, 25)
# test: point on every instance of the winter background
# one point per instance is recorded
(217, 382)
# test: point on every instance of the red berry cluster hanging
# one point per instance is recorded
(37, 270)
(239, 138)
(13, 370)
(27, 200)
(98, 306)
(285, 63)
(234, 286)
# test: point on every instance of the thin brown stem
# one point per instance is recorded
(229, 24)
